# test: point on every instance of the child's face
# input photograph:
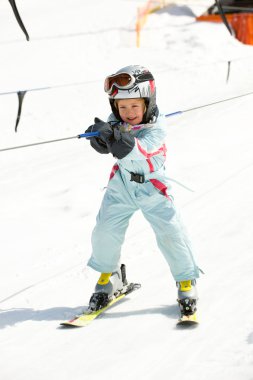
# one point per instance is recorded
(131, 110)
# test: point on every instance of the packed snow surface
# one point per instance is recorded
(50, 194)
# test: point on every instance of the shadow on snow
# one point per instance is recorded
(10, 317)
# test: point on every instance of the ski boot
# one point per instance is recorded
(187, 297)
(109, 286)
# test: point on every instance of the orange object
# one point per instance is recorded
(241, 23)
(142, 14)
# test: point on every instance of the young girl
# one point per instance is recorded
(134, 135)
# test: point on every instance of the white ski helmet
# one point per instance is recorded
(132, 82)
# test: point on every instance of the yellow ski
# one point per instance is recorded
(188, 320)
(87, 317)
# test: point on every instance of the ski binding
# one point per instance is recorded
(88, 316)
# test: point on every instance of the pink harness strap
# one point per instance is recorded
(160, 186)
(115, 168)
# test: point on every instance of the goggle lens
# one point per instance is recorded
(120, 80)
(125, 81)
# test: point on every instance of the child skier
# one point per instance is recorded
(134, 134)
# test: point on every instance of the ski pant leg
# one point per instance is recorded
(112, 221)
(171, 237)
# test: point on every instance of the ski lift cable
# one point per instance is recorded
(209, 104)
(161, 71)
(52, 87)
(96, 134)
(86, 135)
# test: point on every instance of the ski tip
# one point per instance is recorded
(188, 321)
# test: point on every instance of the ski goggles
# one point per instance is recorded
(125, 81)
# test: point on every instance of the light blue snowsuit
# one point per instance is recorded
(123, 197)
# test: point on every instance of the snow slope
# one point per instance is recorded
(50, 195)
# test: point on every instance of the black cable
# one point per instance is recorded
(18, 18)
(222, 14)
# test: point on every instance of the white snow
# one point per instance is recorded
(50, 195)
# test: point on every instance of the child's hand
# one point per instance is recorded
(105, 132)
(110, 140)
(104, 129)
